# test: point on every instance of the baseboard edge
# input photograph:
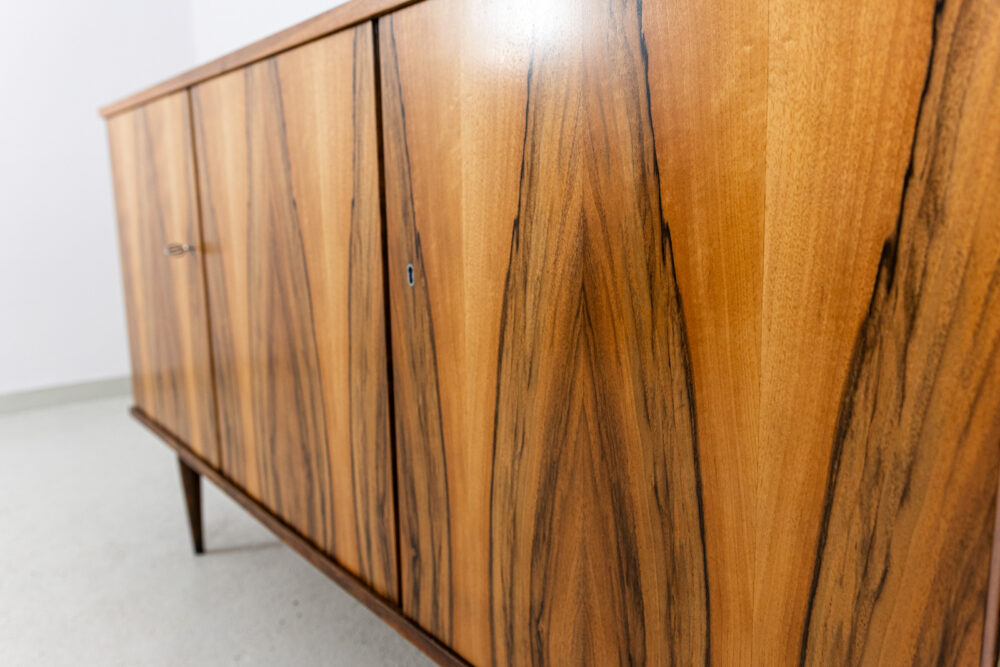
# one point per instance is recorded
(73, 393)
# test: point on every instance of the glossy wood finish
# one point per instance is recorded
(385, 609)
(881, 376)
(156, 200)
(289, 177)
(699, 360)
(191, 483)
(708, 110)
(338, 18)
(604, 304)
(544, 163)
(824, 220)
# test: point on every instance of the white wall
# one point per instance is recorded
(61, 301)
(221, 26)
(62, 316)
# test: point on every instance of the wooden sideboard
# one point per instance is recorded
(593, 331)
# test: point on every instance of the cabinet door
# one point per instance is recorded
(552, 485)
(288, 167)
(153, 166)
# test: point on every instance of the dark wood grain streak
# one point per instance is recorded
(287, 389)
(595, 454)
(371, 420)
(294, 274)
(385, 609)
(386, 302)
(424, 507)
(911, 491)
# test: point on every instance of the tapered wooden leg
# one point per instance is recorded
(192, 498)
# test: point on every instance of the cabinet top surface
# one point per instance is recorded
(338, 18)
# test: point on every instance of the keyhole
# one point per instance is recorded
(409, 274)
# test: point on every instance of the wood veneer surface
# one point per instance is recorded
(548, 435)
(288, 155)
(700, 359)
(909, 436)
(156, 201)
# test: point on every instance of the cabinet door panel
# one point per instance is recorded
(553, 484)
(642, 417)
(288, 160)
(153, 167)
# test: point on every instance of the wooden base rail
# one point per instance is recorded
(387, 611)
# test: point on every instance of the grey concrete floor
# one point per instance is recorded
(96, 565)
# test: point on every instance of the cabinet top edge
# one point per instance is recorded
(333, 20)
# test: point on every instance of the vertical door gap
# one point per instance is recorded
(390, 372)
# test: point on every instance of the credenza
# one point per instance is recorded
(593, 332)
